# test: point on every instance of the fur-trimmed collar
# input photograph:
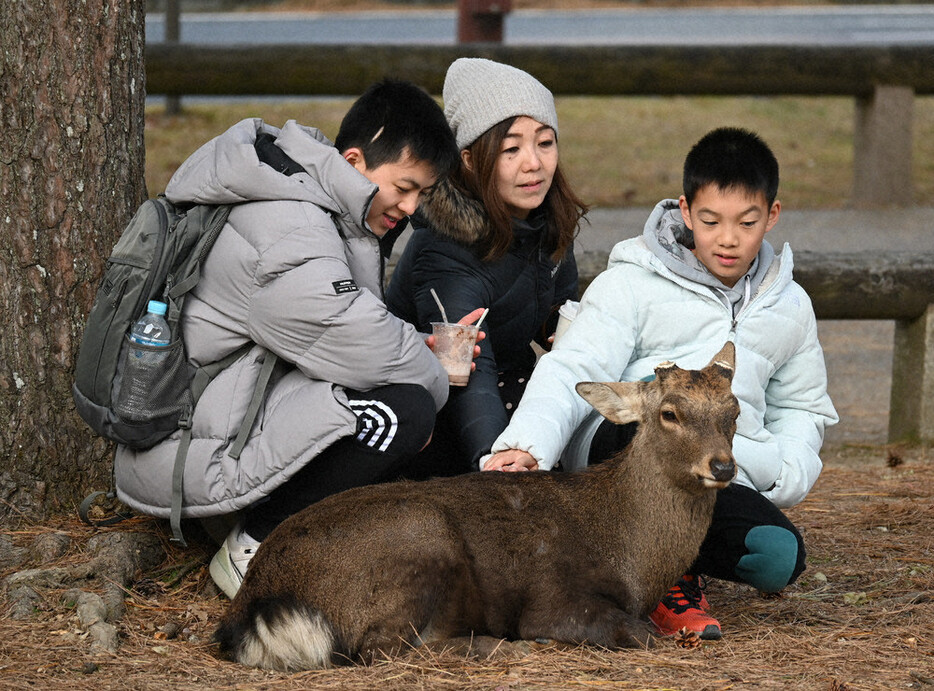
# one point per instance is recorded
(454, 215)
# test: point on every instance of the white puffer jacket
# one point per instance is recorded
(639, 313)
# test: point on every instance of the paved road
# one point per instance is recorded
(859, 25)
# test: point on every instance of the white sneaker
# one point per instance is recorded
(228, 567)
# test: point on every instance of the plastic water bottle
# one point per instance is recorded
(144, 372)
(152, 329)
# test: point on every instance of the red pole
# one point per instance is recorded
(481, 21)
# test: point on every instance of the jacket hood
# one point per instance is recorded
(454, 215)
(227, 170)
(671, 241)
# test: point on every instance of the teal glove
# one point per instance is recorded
(773, 553)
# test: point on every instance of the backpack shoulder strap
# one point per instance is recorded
(203, 377)
(213, 220)
(259, 392)
(269, 153)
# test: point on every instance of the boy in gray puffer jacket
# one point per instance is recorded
(298, 271)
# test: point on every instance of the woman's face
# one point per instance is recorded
(526, 165)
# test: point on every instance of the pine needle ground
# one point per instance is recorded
(859, 618)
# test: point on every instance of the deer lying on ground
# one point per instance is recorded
(570, 557)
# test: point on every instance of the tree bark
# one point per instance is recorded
(72, 98)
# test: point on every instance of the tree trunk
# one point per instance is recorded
(72, 97)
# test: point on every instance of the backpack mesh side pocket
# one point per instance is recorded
(151, 382)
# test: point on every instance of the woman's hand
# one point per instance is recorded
(511, 461)
(467, 319)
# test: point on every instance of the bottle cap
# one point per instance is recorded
(157, 307)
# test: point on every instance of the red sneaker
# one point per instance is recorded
(685, 606)
(694, 586)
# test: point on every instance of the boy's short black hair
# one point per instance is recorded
(730, 157)
(393, 116)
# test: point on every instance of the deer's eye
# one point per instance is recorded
(669, 416)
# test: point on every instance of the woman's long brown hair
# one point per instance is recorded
(564, 209)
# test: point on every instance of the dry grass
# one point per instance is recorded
(618, 151)
(859, 619)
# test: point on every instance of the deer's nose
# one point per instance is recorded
(722, 468)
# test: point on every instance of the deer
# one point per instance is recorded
(565, 557)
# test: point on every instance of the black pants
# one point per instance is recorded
(738, 510)
(393, 424)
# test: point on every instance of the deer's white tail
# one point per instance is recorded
(283, 637)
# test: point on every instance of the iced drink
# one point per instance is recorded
(454, 349)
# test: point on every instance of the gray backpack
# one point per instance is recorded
(158, 257)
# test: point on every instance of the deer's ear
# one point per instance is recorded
(619, 402)
(725, 360)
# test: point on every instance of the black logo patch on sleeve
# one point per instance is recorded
(348, 285)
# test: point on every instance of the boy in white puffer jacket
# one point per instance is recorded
(700, 274)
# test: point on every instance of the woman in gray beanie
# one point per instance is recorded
(498, 233)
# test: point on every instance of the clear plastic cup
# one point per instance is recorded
(454, 349)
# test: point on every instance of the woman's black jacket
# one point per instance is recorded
(522, 291)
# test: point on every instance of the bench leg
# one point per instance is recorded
(882, 148)
(911, 409)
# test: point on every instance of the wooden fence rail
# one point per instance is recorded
(573, 69)
(895, 286)
(882, 79)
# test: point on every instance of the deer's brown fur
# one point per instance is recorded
(570, 557)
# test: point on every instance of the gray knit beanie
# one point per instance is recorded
(481, 93)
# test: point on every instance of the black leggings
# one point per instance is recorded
(738, 510)
(393, 423)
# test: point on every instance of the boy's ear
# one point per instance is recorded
(354, 156)
(773, 215)
(686, 211)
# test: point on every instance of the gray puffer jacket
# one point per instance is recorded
(296, 270)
